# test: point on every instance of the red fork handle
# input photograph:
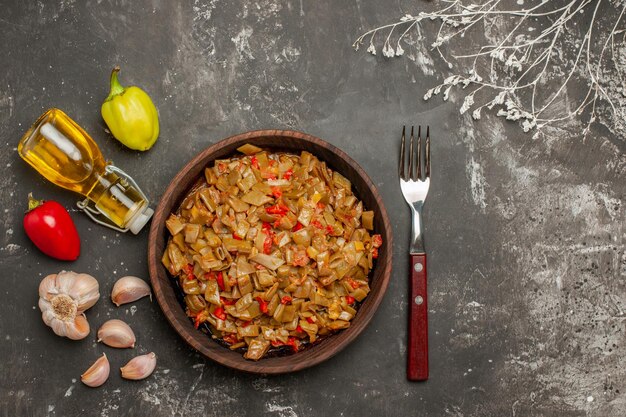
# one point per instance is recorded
(417, 364)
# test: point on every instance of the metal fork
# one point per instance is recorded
(415, 189)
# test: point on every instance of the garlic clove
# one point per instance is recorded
(47, 287)
(128, 289)
(85, 290)
(47, 313)
(97, 373)
(117, 334)
(75, 330)
(139, 367)
(79, 329)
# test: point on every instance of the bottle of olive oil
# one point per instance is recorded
(66, 155)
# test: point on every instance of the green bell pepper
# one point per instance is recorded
(130, 115)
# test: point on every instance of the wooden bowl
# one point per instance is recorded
(276, 140)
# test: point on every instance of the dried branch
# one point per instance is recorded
(510, 71)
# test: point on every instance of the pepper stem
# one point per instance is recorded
(32, 203)
(116, 87)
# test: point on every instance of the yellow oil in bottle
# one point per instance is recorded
(66, 155)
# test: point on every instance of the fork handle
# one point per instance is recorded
(417, 365)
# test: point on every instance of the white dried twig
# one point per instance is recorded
(511, 70)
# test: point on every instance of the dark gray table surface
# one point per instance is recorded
(525, 237)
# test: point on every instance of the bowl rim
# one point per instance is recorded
(263, 366)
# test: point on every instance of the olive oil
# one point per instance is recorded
(67, 156)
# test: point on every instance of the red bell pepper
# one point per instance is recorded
(50, 227)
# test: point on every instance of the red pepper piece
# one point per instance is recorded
(254, 162)
(321, 206)
(278, 208)
(375, 253)
(377, 241)
(310, 320)
(329, 230)
(227, 301)
(291, 341)
(199, 318)
(188, 269)
(222, 167)
(353, 283)
(277, 192)
(277, 343)
(317, 224)
(237, 237)
(267, 174)
(231, 338)
(220, 280)
(288, 174)
(299, 329)
(246, 323)
(285, 300)
(220, 313)
(262, 304)
(350, 299)
(267, 245)
(297, 227)
(300, 259)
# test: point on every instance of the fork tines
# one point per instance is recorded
(414, 172)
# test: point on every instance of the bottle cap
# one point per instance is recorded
(139, 220)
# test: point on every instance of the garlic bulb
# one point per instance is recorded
(129, 289)
(63, 298)
(117, 334)
(97, 373)
(139, 367)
